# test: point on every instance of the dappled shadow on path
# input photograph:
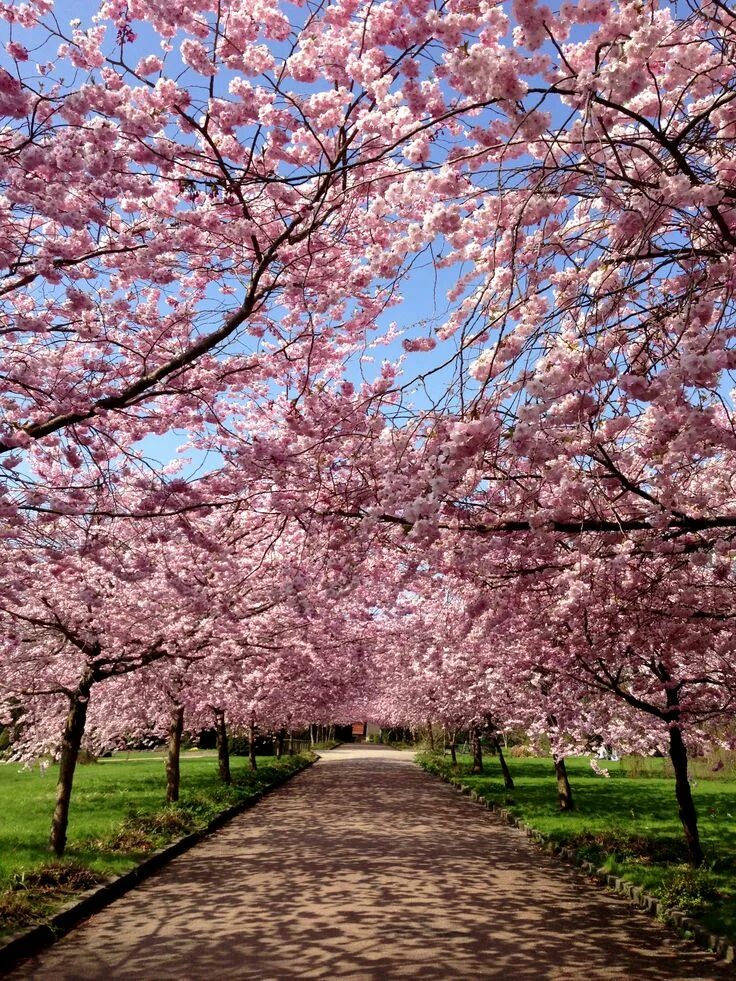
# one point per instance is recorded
(366, 868)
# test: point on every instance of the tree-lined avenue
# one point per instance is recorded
(365, 868)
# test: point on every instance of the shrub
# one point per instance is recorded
(57, 876)
(689, 889)
(17, 910)
(144, 832)
(597, 847)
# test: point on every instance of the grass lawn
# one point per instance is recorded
(627, 824)
(118, 814)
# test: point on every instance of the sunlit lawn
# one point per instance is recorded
(110, 795)
(629, 825)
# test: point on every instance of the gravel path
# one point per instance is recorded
(364, 867)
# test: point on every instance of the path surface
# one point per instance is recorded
(364, 867)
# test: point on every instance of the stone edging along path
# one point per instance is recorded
(30, 941)
(721, 946)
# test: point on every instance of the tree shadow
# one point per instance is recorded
(366, 868)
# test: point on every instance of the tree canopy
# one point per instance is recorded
(437, 299)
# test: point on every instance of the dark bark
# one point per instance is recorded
(496, 737)
(252, 745)
(476, 750)
(280, 737)
(685, 803)
(223, 750)
(508, 780)
(71, 740)
(173, 757)
(581, 526)
(430, 734)
(453, 747)
(564, 791)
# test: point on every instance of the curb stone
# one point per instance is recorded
(28, 942)
(682, 924)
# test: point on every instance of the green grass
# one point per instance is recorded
(118, 814)
(626, 824)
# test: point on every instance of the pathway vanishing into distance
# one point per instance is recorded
(364, 867)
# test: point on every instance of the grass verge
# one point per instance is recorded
(627, 825)
(118, 817)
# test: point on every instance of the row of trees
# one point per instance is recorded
(525, 513)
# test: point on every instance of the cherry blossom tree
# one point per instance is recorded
(95, 601)
(207, 217)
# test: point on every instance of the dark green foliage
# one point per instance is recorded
(691, 890)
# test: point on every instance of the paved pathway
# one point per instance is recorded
(366, 868)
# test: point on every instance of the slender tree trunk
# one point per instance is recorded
(223, 750)
(508, 780)
(280, 737)
(476, 750)
(71, 740)
(686, 805)
(291, 742)
(430, 733)
(453, 747)
(252, 744)
(564, 791)
(176, 727)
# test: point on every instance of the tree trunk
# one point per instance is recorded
(223, 750)
(252, 745)
(176, 727)
(477, 766)
(564, 791)
(508, 780)
(291, 742)
(280, 737)
(430, 734)
(71, 740)
(453, 747)
(686, 805)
